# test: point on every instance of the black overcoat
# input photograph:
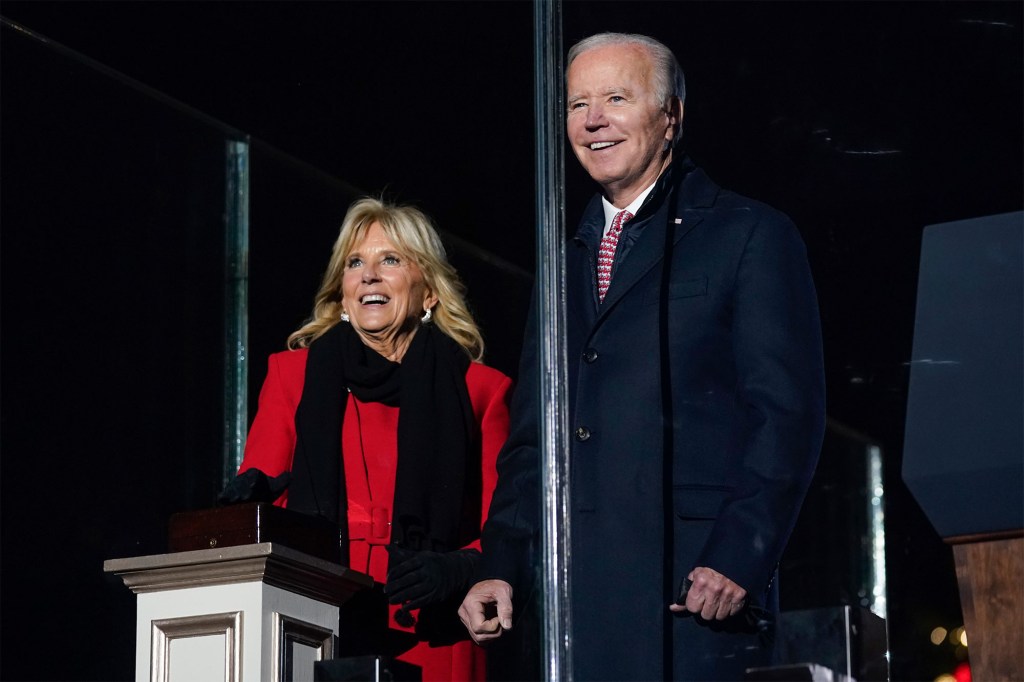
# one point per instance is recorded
(696, 408)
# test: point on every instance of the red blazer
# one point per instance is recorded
(370, 446)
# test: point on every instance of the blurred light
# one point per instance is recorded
(955, 634)
(963, 637)
(945, 677)
(876, 516)
(938, 635)
(962, 673)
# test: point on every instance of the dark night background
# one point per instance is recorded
(864, 121)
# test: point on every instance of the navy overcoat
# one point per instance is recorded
(696, 408)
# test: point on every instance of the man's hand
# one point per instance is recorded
(487, 610)
(712, 595)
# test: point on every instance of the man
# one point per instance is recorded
(696, 397)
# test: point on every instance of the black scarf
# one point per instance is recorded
(437, 485)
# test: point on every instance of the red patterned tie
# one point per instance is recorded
(606, 254)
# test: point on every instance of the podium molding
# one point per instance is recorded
(238, 614)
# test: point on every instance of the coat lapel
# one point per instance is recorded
(680, 212)
(647, 253)
(580, 275)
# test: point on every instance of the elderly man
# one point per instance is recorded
(696, 397)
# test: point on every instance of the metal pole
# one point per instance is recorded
(236, 305)
(553, 438)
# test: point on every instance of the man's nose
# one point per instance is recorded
(595, 116)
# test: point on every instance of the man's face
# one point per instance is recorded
(618, 129)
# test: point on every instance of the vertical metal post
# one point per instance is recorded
(553, 438)
(236, 304)
(876, 523)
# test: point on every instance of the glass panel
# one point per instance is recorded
(295, 214)
(842, 533)
(112, 365)
(144, 244)
(839, 115)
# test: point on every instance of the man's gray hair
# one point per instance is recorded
(668, 75)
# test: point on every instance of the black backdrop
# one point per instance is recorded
(864, 121)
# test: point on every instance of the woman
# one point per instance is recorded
(391, 361)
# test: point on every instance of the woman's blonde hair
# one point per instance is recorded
(412, 232)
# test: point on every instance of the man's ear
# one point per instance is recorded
(675, 118)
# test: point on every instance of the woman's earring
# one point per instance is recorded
(344, 316)
(426, 316)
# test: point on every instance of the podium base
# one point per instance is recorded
(366, 669)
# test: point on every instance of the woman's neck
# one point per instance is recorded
(389, 345)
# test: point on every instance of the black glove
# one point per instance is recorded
(418, 579)
(252, 485)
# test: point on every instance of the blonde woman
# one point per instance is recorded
(391, 361)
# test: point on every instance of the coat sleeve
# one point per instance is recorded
(778, 357)
(510, 535)
(490, 396)
(271, 442)
(494, 432)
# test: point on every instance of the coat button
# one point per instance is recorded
(582, 433)
(590, 355)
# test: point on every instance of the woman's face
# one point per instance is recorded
(383, 292)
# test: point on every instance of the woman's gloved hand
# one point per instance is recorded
(418, 579)
(252, 485)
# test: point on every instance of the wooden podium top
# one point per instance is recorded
(253, 523)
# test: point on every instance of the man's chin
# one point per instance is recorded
(602, 175)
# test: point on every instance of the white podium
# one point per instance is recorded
(251, 613)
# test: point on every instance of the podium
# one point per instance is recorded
(964, 443)
(245, 613)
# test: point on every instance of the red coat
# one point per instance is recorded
(370, 446)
